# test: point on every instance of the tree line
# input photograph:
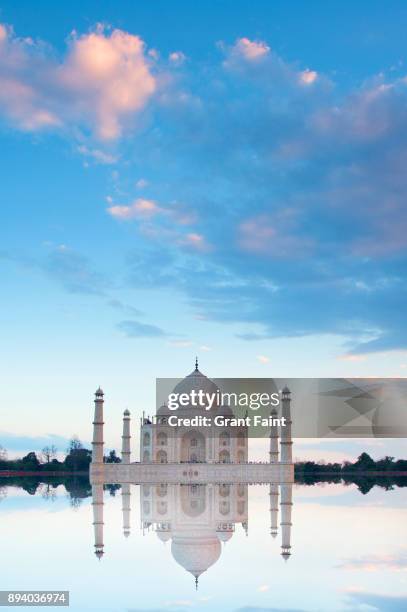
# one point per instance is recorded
(364, 463)
(77, 459)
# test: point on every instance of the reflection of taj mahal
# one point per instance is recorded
(196, 518)
(194, 481)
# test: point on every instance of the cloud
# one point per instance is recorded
(304, 208)
(177, 58)
(307, 77)
(142, 183)
(135, 329)
(101, 157)
(384, 603)
(195, 241)
(104, 80)
(293, 219)
(257, 609)
(65, 266)
(140, 208)
(73, 270)
(351, 357)
(250, 50)
(22, 443)
(264, 236)
(263, 359)
(372, 563)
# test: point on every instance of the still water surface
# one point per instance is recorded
(348, 549)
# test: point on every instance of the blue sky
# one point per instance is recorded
(224, 179)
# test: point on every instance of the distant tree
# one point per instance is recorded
(387, 463)
(112, 457)
(48, 491)
(364, 462)
(74, 444)
(49, 453)
(30, 462)
(78, 459)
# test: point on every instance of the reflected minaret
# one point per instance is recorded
(286, 506)
(273, 509)
(285, 433)
(126, 438)
(97, 503)
(97, 443)
(126, 508)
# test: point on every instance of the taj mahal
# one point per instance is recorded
(193, 480)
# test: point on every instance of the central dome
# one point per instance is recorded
(195, 382)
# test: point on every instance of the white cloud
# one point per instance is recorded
(141, 183)
(177, 58)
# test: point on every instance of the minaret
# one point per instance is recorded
(273, 439)
(273, 509)
(286, 506)
(126, 437)
(97, 503)
(97, 443)
(285, 431)
(126, 507)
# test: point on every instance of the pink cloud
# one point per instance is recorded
(3, 33)
(307, 77)
(109, 77)
(177, 58)
(272, 237)
(263, 359)
(195, 241)
(140, 208)
(22, 104)
(104, 79)
(250, 49)
(352, 357)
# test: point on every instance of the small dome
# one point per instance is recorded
(164, 536)
(126, 412)
(224, 536)
(99, 391)
(163, 410)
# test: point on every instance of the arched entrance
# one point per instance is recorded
(193, 499)
(193, 447)
(161, 457)
(224, 456)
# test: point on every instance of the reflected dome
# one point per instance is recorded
(196, 554)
